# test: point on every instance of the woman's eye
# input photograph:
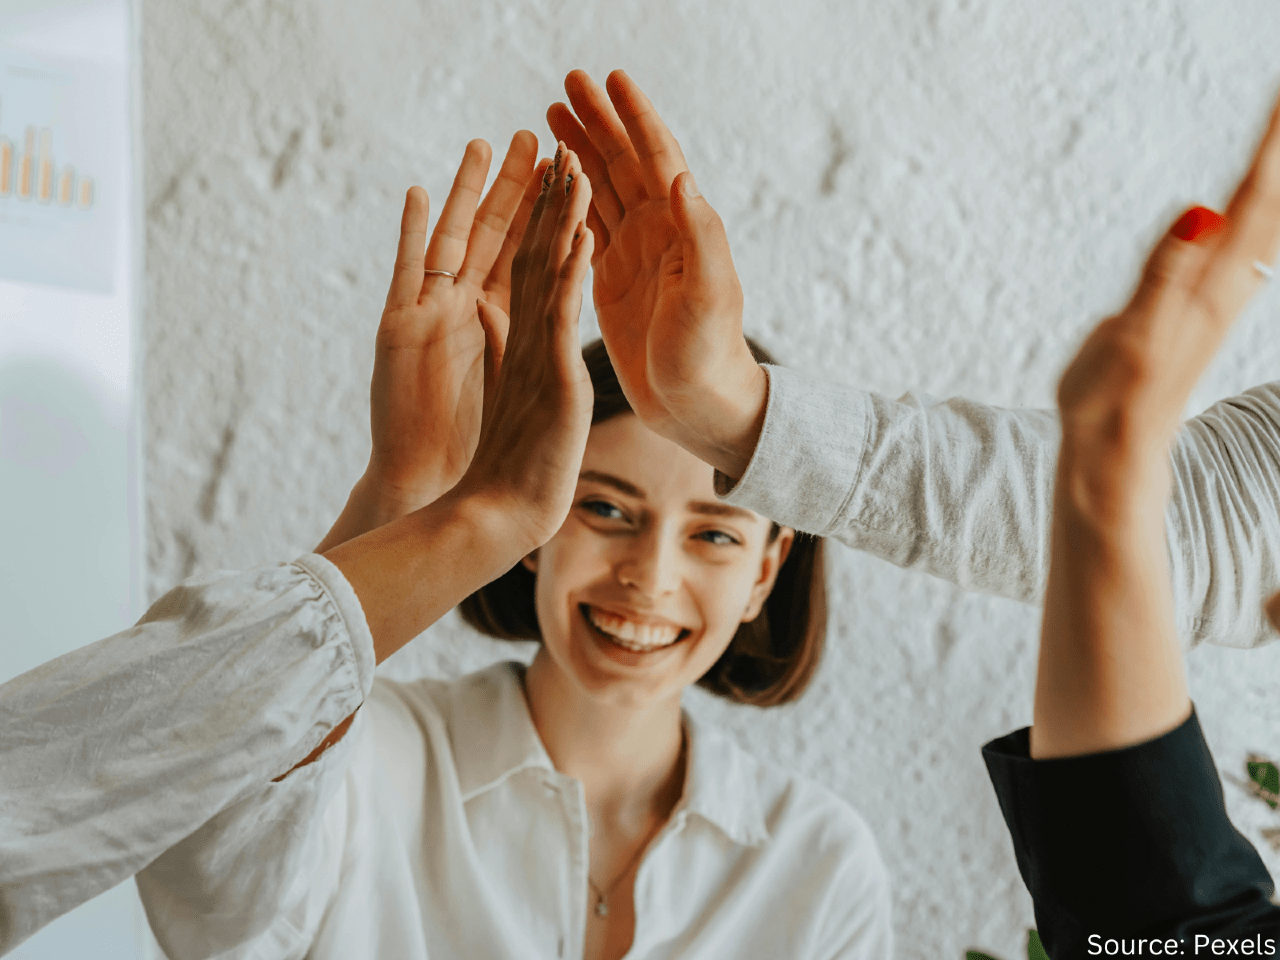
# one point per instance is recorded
(603, 509)
(717, 537)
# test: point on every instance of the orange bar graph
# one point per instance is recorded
(6, 167)
(26, 163)
(44, 169)
(66, 183)
(32, 174)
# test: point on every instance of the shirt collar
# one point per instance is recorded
(492, 734)
(493, 737)
(722, 784)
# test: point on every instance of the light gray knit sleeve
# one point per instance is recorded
(964, 491)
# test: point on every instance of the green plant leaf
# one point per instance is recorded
(1266, 777)
(1035, 949)
(977, 955)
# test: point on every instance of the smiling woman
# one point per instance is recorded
(771, 657)
(651, 585)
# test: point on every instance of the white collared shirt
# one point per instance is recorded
(436, 828)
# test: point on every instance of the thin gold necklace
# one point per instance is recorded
(602, 896)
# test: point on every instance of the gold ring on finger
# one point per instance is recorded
(442, 273)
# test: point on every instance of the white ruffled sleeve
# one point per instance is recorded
(167, 737)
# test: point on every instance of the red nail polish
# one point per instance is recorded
(1198, 223)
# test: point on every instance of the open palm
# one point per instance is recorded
(666, 292)
(670, 315)
(639, 294)
(427, 389)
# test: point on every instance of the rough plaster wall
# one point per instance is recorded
(932, 194)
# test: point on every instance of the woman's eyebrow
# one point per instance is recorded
(719, 510)
(609, 480)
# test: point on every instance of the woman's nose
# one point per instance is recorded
(650, 563)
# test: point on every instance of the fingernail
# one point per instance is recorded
(568, 183)
(689, 186)
(1198, 223)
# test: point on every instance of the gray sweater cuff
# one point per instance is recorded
(799, 474)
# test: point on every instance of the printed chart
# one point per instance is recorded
(61, 149)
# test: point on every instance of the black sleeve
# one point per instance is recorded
(1133, 843)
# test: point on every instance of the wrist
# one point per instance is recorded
(389, 500)
(496, 525)
(410, 572)
(727, 415)
(1113, 495)
(371, 504)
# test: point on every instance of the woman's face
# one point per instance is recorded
(646, 582)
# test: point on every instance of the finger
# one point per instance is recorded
(707, 259)
(570, 255)
(660, 157)
(1173, 269)
(549, 226)
(566, 303)
(498, 208)
(1252, 233)
(577, 191)
(609, 136)
(521, 265)
(498, 283)
(567, 128)
(448, 244)
(496, 325)
(406, 277)
(1273, 611)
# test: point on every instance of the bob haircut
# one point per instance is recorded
(770, 659)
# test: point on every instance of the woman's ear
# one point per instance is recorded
(530, 562)
(775, 554)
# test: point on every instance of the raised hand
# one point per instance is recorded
(519, 484)
(538, 410)
(1110, 671)
(428, 374)
(427, 389)
(666, 292)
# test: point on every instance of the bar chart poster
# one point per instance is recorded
(61, 150)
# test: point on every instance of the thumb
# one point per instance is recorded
(707, 259)
(1174, 267)
(495, 324)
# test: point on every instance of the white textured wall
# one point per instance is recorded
(933, 194)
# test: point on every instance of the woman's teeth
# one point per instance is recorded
(633, 636)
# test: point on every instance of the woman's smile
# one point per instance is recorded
(632, 633)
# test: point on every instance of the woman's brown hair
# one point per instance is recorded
(770, 659)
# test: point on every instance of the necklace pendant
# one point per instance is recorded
(602, 908)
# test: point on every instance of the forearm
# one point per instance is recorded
(964, 491)
(410, 572)
(371, 505)
(1110, 672)
(956, 489)
(115, 752)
